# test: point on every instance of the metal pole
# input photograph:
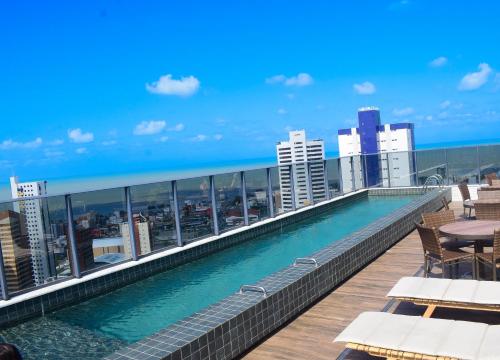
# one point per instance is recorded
(325, 175)
(292, 188)
(388, 171)
(478, 166)
(72, 239)
(215, 218)
(341, 180)
(131, 225)
(270, 200)
(365, 171)
(3, 279)
(244, 196)
(353, 180)
(177, 215)
(446, 166)
(416, 167)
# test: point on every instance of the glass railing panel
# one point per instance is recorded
(153, 217)
(34, 242)
(301, 185)
(229, 201)
(317, 180)
(372, 165)
(333, 181)
(257, 197)
(430, 162)
(463, 165)
(101, 228)
(399, 169)
(357, 172)
(489, 160)
(280, 184)
(195, 208)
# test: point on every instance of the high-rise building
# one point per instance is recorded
(16, 251)
(308, 170)
(359, 150)
(32, 211)
(142, 236)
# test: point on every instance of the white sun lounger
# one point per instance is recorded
(459, 294)
(414, 337)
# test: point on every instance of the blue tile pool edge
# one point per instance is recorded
(232, 326)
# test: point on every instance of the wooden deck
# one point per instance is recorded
(310, 335)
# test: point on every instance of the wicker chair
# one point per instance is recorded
(466, 200)
(492, 258)
(490, 177)
(487, 211)
(438, 219)
(434, 251)
(445, 204)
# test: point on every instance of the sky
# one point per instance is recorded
(114, 87)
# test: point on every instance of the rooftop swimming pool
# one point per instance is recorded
(98, 327)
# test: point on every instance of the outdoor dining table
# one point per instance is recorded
(477, 231)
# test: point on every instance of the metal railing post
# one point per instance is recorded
(215, 218)
(3, 278)
(243, 183)
(325, 174)
(416, 167)
(341, 180)
(365, 172)
(131, 225)
(177, 214)
(478, 166)
(446, 166)
(353, 180)
(292, 188)
(270, 200)
(72, 239)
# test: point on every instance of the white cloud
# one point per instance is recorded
(81, 150)
(178, 127)
(109, 142)
(218, 137)
(164, 139)
(445, 104)
(282, 111)
(288, 128)
(166, 85)
(443, 115)
(429, 117)
(403, 112)
(56, 142)
(199, 137)
(301, 79)
(497, 81)
(11, 144)
(77, 136)
(366, 88)
(438, 62)
(53, 153)
(149, 127)
(475, 80)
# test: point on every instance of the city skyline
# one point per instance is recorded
(106, 89)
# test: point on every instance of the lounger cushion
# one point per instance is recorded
(490, 348)
(463, 340)
(420, 288)
(487, 292)
(426, 336)
(359, 330)
(460, 291)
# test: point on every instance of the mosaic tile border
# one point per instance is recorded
(70, 295)
(230, 327)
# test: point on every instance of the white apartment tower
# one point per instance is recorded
(31, 210)
(142, 241)
(395, 143)
(308, 172)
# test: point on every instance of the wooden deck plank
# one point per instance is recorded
(310, 335)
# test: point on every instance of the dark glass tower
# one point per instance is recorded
(369, 122)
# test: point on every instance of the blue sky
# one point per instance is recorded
(127, 86)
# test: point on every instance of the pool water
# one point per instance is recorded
(133, 312)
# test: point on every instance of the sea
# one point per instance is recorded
(58, 186)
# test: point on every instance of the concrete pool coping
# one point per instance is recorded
(230, 327)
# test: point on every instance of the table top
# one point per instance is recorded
(487, 201)
(489, 188)
(471, 230)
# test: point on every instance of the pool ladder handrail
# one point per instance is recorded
(305, 260)
(435, 179)
(253, 288)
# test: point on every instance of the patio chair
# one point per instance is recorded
(406, 337)
(434, 251)
(445, 204)
(491, 258)
(466, 200)
(487, 211)
(490, 177)
(438, 219)
(447, 293)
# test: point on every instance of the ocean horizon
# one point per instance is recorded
(74, 184)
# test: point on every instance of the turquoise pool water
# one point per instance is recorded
(131, 313)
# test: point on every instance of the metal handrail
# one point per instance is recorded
(436, 178)
(253, 288)
(305, 260)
